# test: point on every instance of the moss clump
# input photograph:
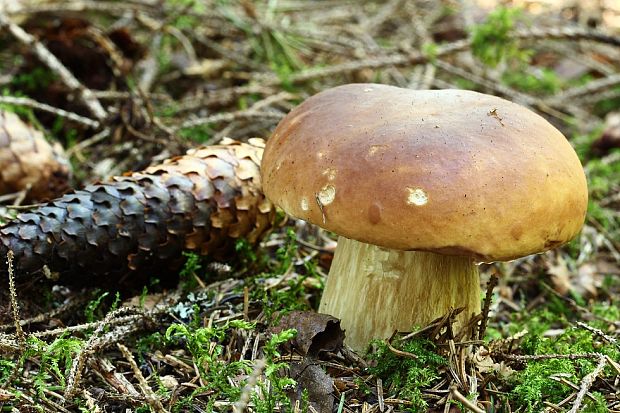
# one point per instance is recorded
(403, 378)
(540, 379)
(206, 346)
(493, 41)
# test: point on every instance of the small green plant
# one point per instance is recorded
(430, 51)
(275, 396)
(583, 142)
(55, 360)
(38, 78)
(285, 255)
(291, 295)
(278, 49)
(199, 134)
(186, 13)
(246, 255)
(95, 306)
(149, 343)
(6, 369)
(190, 270)
(284, 300)
(23, 112)
(206, 347)
(602, 176)
(605, 106)
(544, 81)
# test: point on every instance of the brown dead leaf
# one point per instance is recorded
(316, 333)
(585, 280)
(318, 384)
(485, 364)
(147, 302)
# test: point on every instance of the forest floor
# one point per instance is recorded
(162, 76)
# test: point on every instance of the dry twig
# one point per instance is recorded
(587, 382)
(148, 393)
(246, 392)
(21, 101)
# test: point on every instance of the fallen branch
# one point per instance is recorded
(229, 117)
(456, 395)
(147, 392)
(587, 382)
(21, 101)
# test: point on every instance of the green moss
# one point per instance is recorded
(605, 106)
(6, 368)
(38, 78)
(275, 396)
(601, 176)
(289, 297)
(606, 310)
(55, 360)
(205, 344)
(543, 82)
(493, 42)
(200, 134)
(533, 384)
(583, 142)
(24, 112)
(404, 378)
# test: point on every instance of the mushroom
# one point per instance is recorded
(421, 186)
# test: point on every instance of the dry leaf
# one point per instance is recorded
(316, 382)
(315, 332)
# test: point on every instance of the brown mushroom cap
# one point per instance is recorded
(450, 171)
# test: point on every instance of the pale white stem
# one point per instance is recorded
(375, 291)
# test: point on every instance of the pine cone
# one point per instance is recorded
(27, 160)
(201, 202)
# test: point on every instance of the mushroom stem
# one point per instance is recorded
(375, 291)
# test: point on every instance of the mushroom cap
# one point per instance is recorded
(454, 172)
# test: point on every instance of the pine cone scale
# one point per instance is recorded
(202, 201)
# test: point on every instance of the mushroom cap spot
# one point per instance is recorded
(304, 204)
(376, 148)
(327, 194)
(374, 213)
(330, 173)
(499, 191)
(416, 196)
